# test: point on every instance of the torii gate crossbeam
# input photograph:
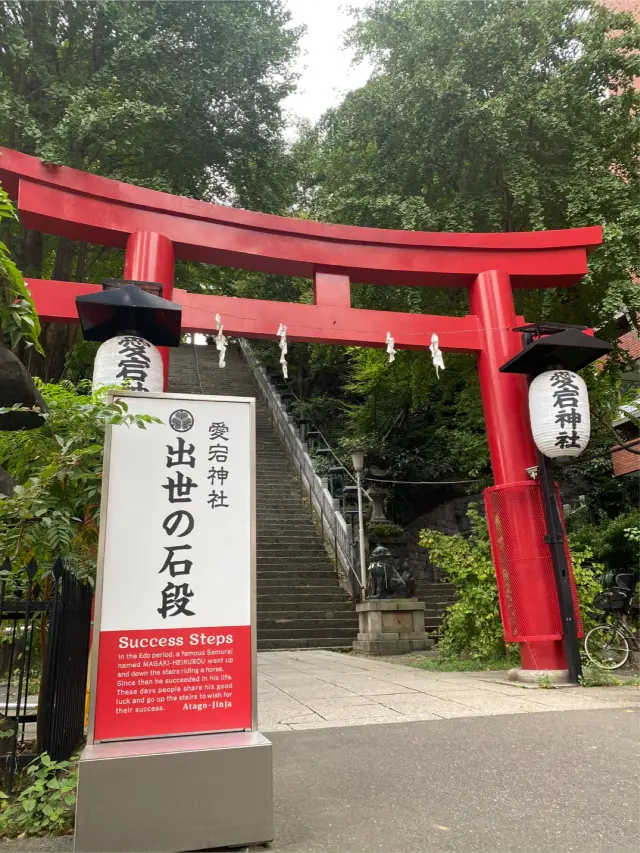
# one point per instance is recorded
(156, 228)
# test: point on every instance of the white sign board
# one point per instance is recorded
(177, 570)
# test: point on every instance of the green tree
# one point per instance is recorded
(181, 97)
(480, 116)
(494, 116)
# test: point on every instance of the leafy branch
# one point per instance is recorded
(55, 509)
(18, 318)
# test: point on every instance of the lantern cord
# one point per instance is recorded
(427, 482)
(421, 334)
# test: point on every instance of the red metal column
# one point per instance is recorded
(149, 256)
(511, 446)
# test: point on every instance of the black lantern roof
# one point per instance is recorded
(130, 309)
(567, 347)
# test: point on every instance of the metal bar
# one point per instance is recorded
(556, 540)
(10, 669)
(363, 568)
(23, 656)
(26, 687)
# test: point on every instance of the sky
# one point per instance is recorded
(325, 67)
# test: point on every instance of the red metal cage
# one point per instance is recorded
(522, 559)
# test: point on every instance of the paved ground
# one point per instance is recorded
(535, 783)
(318, 689)
(503, 778)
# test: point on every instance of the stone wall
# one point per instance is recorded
(450, 517)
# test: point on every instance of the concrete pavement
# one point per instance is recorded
(312, 689)
(471, 764)
(526, 783)
(559, 782)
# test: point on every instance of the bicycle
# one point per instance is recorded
(608, 646)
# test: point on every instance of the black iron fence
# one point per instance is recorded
(44, 645)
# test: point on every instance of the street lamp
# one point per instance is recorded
(131, 321)
(357, 460)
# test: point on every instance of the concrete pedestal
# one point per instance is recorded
(173, 794)
(391, 626)
(534, 676)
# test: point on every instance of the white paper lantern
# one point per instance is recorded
(128, 360)
(559, 411)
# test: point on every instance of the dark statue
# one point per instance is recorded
(18, 389)
(383, 578)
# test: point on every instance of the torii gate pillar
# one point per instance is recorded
(511, 446)
(150, 257)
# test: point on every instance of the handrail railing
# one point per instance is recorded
(333, 526)
(318, 431)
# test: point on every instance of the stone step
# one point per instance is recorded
(268, 541)
(435, 603)
(347, 622)
(294, 576)
(294, 558)
(298, 576)
(302, 585)
(293, 633)
(315, 643)
(275, 512)
(300, 526)
(311, 587)
(329, 609)
(303, 548)
(286, 501)
(322, 576)
(285, 594)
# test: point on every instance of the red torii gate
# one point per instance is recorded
(155, 228)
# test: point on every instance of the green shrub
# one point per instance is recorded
(472, 624)
(54, 509)
(586, 574)
(613, 542)
(383, 530)
(46, 806)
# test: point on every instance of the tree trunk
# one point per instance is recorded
(29, 252)
(56, 339)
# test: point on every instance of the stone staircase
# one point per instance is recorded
(300, 604)
(437, 597)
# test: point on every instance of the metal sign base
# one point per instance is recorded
(175, 794)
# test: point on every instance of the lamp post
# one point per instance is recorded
(357, 459)
(560, 429)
